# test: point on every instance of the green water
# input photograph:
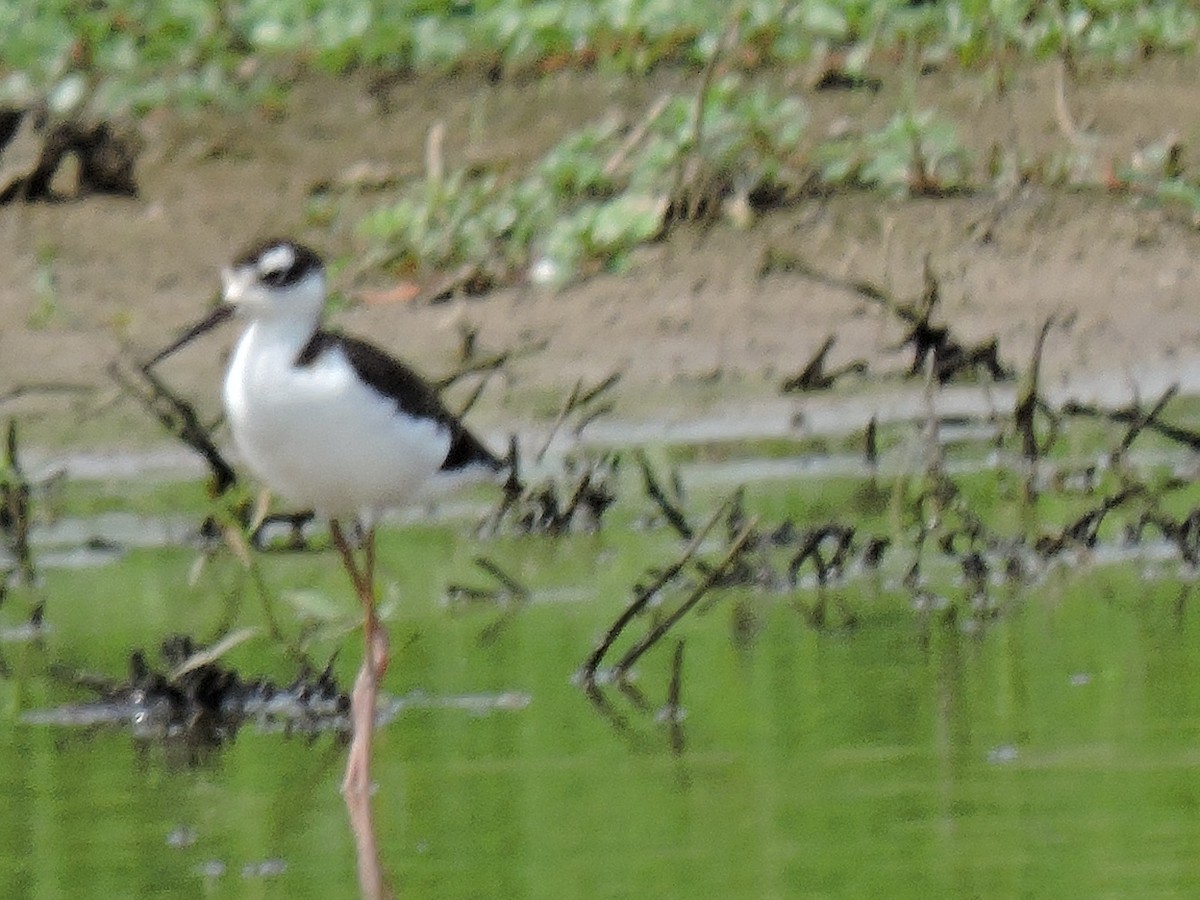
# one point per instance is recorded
(1054, 752)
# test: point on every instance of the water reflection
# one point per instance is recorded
(197, 704)
(641, 725)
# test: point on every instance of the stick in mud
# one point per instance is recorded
(820, 379)
(813, 376)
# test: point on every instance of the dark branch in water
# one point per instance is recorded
(583, 402)
(1183, 533)
(811, 546)
(1029, 400)
(201, 703)
(514, 588)
(509, 597)
(871, 443)
(1140, 423)
(644, 594)
(1085, 530)
(654, 491)
(672, 711)
(1131, 415)
(555, 506)
(15, 493)
(675, 686)
(658, 631)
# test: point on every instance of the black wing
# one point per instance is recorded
(409, 391)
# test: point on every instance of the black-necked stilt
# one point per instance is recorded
(331, 422)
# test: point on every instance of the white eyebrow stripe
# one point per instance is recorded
(277, 259)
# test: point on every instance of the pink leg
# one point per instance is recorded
(356, 784)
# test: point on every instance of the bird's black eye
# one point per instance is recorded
(278, 276)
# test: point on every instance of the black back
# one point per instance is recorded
(412, 394)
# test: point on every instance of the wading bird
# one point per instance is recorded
(331, 422)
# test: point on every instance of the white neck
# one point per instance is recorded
(286, 334)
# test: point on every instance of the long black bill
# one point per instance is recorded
(219, 315)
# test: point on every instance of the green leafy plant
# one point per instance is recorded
(914, 153)
(134, 55)
(601, 191)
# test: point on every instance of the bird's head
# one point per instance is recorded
(278, 279)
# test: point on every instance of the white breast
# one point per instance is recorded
(319, 436)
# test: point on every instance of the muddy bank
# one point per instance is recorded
(707, 319)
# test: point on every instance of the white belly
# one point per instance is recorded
(320, 437)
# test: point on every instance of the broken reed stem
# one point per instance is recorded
(592, 415)
(473, 398)
(655, 635)
(812, 376)
(1027, 405)
(568, 511)
(645, 594)
(485, 366)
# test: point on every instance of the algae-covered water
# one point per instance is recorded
(1048, 746)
